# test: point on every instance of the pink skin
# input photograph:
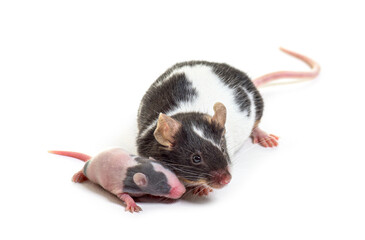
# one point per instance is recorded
(289, 74)
(81, 156)
(264, 139)
(177, 188)
(109, 169)
(220, 178)
(115, 164)
(131, 204)
(258, 135)
(79, 177)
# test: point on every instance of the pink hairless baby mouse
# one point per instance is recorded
(127, 175)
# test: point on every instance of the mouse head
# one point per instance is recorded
(150, 177)
(194, 146)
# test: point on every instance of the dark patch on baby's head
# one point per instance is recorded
(157, 183)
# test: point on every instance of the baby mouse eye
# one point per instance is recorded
(196, 159)
(222, 149)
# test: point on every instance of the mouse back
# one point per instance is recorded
(109, 168)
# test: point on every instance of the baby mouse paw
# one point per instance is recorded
(79, 177)
(131, 206)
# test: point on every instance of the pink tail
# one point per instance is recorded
(81, 156)
(288, 74)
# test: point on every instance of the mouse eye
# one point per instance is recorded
(222, 149)
(196, 159)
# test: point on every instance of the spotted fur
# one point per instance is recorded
(187, 92)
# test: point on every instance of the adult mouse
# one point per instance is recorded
(197, 114)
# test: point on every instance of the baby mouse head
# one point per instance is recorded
(150, 177)
(194, 146)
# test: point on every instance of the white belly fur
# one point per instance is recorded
(211, 90)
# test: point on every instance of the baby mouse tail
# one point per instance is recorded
(260, 81)
(81, 156)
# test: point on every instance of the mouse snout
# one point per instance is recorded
(176, 191)
(220, 178)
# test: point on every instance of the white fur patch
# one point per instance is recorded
(171, 177)
(211, 89)
(174, 72)
(201, 134)
(151, 126)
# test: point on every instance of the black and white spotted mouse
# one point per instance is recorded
(197, 114)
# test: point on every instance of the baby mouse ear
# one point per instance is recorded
(140, 179)
(220, 114)
(166, 129)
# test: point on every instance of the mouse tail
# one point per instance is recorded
(81, 156)
(315, 69)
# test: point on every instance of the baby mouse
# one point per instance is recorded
(197, 114)
(127, 176)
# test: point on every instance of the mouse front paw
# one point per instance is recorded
(202, 190)
(131, 206)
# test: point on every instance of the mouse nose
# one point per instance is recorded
(221, 177)
(225, 180)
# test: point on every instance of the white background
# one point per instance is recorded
(73, 72)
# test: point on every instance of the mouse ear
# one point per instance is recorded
(140, 179)
(166, 129)
(220, 114)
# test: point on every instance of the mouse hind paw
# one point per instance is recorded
(266, 140)
(79, 177)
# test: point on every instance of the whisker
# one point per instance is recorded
(188, 169)
(185, 171)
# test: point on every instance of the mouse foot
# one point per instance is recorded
(131, 205)
(201, 190)
(261, 137)
(79, 177)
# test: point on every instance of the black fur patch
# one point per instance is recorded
(188, 144)
(157, 181)
(165, 96)
(235, 79)
(231, 76)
